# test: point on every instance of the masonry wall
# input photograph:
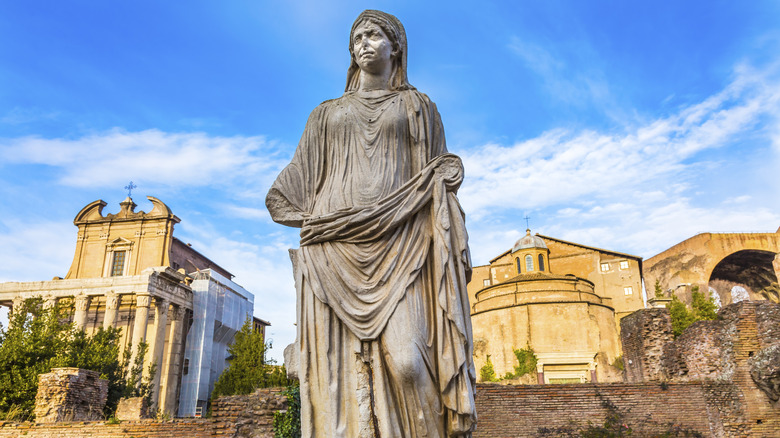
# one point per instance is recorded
(242, 416)
(559, 410)
(70, 394)
(713, 409)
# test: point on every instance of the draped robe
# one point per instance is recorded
(384, 334)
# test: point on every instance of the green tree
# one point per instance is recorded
(703, 308)
(487, 373)
(659, 293)
(39, 338)
(30, 346)
(248, 369)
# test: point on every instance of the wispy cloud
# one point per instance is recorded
(576, 83)
(156, 157)
(32, 250)
(621, 188)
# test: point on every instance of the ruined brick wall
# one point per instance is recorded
(252, 416)
(243, 416)
(70, 394)
(189, 428)
(714, 409)
(705, 350)
(558, 410)
(644, 334)
(734, 356)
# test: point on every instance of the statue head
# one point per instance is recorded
(394, 30)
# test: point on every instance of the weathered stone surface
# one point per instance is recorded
(735, 358)
(765, 371)
(720, 261)
(383, 264)
(132, 408)
(645, 333)
(70, 394)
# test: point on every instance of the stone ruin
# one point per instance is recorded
(741, 349)
(70, 394)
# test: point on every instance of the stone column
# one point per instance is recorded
(113, 302)
(80, 316)
(16, 306)
(139, 325)
(171, 369)
(156, 348)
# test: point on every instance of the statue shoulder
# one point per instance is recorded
(322, 109)
(420, 102)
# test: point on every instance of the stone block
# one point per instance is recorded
(132, 408)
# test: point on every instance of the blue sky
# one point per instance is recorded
(623, 125)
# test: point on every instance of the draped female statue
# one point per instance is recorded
(384, 342)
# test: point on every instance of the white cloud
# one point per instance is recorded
(32, 250)
(247, 212)
(179, 159)
(636, 191)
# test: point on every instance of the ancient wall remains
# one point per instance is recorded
(644, 334)
(711, 408)
(733, 355)
(70, 394)
(241, 416)
(563, 410)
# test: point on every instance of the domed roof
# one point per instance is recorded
(529, 241)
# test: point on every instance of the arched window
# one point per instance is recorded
(517, 259)
(541, 263)
(529, 263)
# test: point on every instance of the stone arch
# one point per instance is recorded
(753, 270)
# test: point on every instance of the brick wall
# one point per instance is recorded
(236, 416)
(70, 394)
(719, 355)
(558, 410)
(713, 409)
(644, 335)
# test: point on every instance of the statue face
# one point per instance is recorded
(372, 49)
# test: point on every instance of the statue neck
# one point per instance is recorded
(374, 81)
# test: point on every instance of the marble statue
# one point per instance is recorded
(384, 344)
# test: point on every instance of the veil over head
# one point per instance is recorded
(395, 31)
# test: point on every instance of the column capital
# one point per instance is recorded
(143, 300)
(176, 313)
(162, 303)
(113, 300)
(82, 302)
(18, 302)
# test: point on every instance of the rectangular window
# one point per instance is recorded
(628, 290)
(118, 265)
(623, 264)
(605, 267)
(486, 282)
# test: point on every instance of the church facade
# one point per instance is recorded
(563, 300)
(130, 272)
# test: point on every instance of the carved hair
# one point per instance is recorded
(394, 30)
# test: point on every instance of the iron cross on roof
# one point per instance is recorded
(526, 220)
(130, 188)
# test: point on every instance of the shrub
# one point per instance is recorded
(487, 373)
